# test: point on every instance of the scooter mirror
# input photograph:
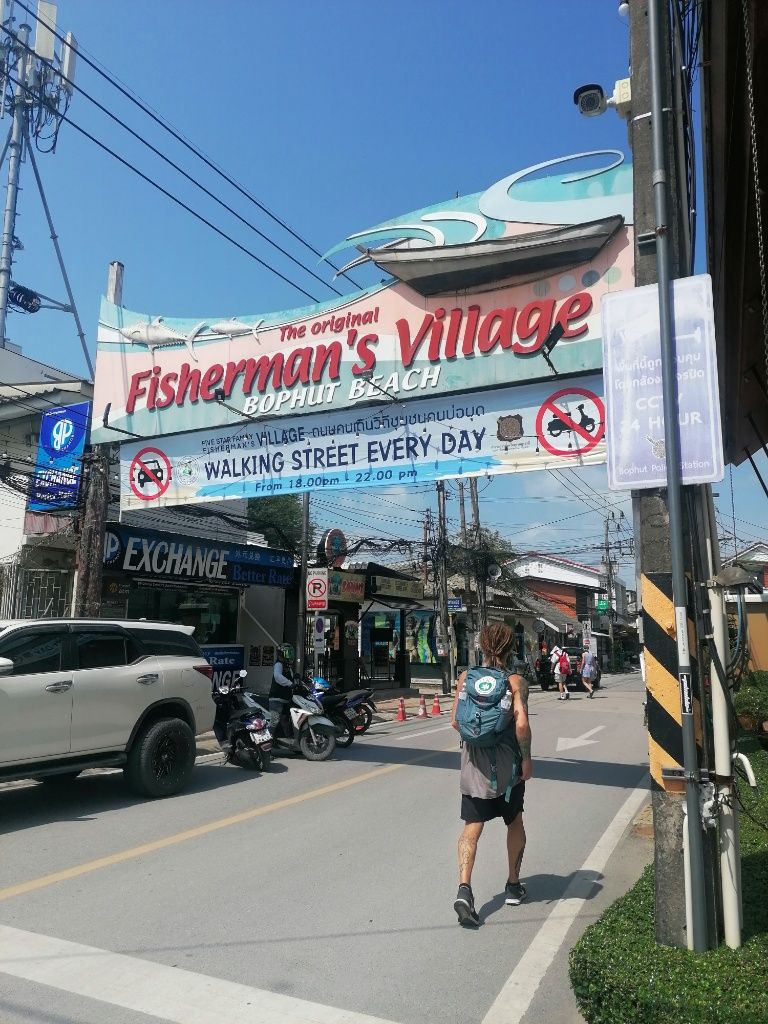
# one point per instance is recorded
(242, 673)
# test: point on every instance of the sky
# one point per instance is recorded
(336, 116)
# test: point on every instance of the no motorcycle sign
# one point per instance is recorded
(571, 422)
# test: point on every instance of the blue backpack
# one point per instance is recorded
(485, 707)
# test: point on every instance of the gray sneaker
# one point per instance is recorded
(464, 905)
(515, 893)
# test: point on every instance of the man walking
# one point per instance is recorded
(494, 766)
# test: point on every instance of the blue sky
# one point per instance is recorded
(336, 116)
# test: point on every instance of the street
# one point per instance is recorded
(320, 892)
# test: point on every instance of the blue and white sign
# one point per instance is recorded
(505, 430)
(633, 391)
(58, 469)
(226, 660)
(454, 604)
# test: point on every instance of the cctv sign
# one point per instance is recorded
(317, 590)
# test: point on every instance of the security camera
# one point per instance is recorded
(590, 99)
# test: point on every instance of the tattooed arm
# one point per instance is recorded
(459, 688)
(519, 688)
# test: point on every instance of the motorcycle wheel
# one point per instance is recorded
(367, 714)
(347, 732)
(319, 750)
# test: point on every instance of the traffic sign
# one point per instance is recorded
(319, 633)
(317, 590)
(633, 389)
(571, 422)
(149, 474)
(454, 604)
(602, 604)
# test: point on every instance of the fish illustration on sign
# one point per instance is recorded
(236, 328)
(157, 334)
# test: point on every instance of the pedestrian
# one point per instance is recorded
(561, 666)
(588, 670)
(491, 708)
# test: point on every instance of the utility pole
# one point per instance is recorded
(90, 553)
(301, 625)
(15, 146)
(480, 561)
(659, 515)
(609, 587)
(465, 547)
(448, 662)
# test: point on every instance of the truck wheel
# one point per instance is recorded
(161, 759)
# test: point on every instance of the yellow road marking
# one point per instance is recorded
(202, 830)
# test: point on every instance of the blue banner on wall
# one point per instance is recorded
(58, 468)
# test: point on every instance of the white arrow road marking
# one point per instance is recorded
(155, 989)
(564, 743)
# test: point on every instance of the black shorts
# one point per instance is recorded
(475, 809)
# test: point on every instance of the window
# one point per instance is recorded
(166, 641)
(38, 651)
(103, 650)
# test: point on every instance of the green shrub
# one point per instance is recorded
(752, 698)
(621, 976)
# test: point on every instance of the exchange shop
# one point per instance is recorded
(225, 591)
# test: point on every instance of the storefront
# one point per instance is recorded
(189, 580)
(397, 635)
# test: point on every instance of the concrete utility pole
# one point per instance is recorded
(15, 152)
(659, 515)
(448, 661)
(610, 586)
(480, 566)
(301, 625)
(90, 553)
(465, 547)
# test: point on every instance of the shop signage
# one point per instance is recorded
(490, 433)
(55, 484)
(633, 389)
(177, 558)
(157, 376)
(454, 604)
(346, 586)
(317, 590)
(227, 660)
(386, 586)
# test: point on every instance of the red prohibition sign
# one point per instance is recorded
(578, 426)
(150, 466)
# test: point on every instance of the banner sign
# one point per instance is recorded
(633, 388)
(346, 586)
(386, 586)
(226, 660)
(510, 430)
(509, 279)
(175, 558)
(58, 469)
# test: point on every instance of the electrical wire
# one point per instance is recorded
(166, 126)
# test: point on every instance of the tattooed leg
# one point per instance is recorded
(467, 850)
(515, 847)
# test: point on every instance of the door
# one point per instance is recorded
(113, 685)
(36, 695)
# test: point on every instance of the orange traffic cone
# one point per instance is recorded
(400, 711)
(436, 710)
(422, 707)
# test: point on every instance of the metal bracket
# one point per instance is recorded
(646, 242)
(679, 775)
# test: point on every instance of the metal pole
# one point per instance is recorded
(730, 873)
(301, 626)
(674, 498)
(480, 566)
(465, 546)
(59, 257)
(15, 147)
(448, 662)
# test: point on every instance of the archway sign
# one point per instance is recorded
(291, 401)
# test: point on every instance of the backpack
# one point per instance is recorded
(484, 707)
(564, 664)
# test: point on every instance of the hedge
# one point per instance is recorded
(621, 976)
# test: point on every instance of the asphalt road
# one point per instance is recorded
(319, 892)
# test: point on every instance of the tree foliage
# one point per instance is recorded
(279, 518)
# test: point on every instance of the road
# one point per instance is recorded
(319, 892)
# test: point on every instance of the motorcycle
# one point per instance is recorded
(344, 709)
(241, 726)
(304, 729)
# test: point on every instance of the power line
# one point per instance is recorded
(188, 177)
(166, 126)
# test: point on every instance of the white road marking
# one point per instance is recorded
(410, 735)
(517, 994)
(564, 743)
(157, 990)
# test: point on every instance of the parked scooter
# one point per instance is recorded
(304, 728)
(241, 726)
(337, 708)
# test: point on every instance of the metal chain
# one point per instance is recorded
(756, 170)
